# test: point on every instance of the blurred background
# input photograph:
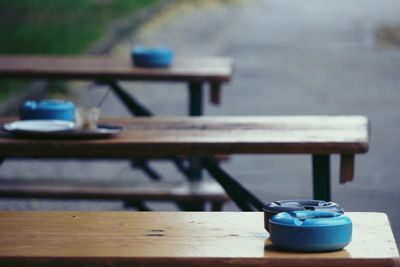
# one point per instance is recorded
(292, 57)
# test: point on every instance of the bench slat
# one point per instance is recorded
(206, 191)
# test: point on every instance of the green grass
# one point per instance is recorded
(61, 27)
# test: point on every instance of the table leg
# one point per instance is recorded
(194, 170)
(191, 205)
(195, 98)
(145, 167)
(215, 95)
(137, 204)
(346, 168)
(195, 109)
(193, 173)
(129, 101)
(242, 197)
(321, 177)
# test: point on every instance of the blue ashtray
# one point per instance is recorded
(156, 57)
(310, 231)
(276, 207)
(47, 110)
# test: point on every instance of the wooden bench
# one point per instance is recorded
(319, 136)
(117, 239)
(133, 194)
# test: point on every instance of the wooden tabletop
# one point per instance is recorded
(175, 238)
(111, 68)
(174, 136)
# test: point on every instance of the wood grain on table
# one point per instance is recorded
(153, 137)
(173, 238)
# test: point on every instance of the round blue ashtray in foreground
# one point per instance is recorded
(48, 109)
(276, 207)
(156, 57)
(310, 231)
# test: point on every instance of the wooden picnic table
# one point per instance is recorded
(195, 71)
(319, 136)
(119, 239)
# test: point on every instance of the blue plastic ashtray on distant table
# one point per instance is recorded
(49, 109)
(310, 231)
(152, 57)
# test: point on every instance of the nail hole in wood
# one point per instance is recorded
(154, 235)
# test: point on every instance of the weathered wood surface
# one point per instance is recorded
(175, 238)
(111, 68)
(160, 137)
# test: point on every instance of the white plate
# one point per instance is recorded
(39, 126)
(58, 129)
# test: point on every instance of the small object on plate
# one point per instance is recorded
(152, 57)
(297, 205)
(310, 231)
(47, 109)
(87, 118)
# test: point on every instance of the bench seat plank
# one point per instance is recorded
(204, 191)
(162, 137)
(175, 238)
(213, 69)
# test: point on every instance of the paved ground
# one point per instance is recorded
(292, 58)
